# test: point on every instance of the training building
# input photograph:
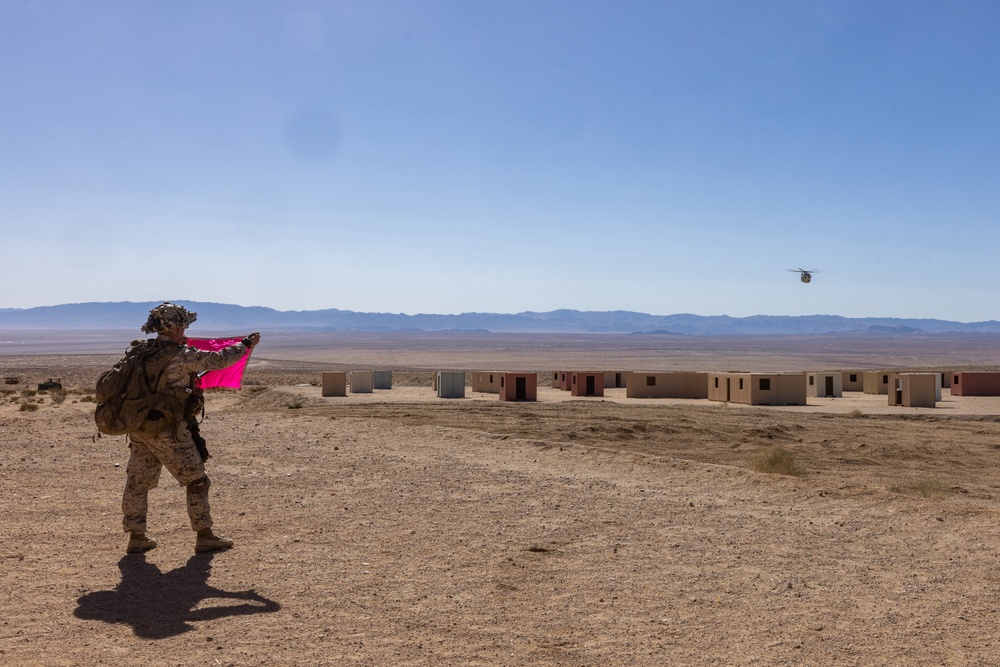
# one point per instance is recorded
(362, 382)
(825, 385)
(666, 385)
(586, 383)
(615, 379)
(334, 383)
(758, 388)
(382, 379)
(519, 386)
(969, 383)
(450, 384)
(852, 381)
(561, 380)
(913, 390)
(487, 382)
(876, 382)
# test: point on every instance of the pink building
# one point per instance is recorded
(975, 384)
(587, 383)
(518, 386)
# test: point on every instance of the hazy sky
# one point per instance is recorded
(474, 155)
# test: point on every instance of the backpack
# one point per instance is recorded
(127, 392)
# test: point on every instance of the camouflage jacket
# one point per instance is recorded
(178, 395)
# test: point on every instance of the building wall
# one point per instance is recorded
(913, 390)
(729, 387)
(975, 384)
(758, 388)
(450, 384)
(334, 383)
(562, 380)
(666, 385)
(362, 382)
(557, 379)
(382, 379)
(615, 379)
(876, 382)
(487, 382)
(783, 389)
(817, 384)
(852, 381)
(717, 390)
(578, 383)
(508, 386)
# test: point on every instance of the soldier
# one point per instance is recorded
(169, 436)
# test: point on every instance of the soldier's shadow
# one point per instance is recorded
(159, 605)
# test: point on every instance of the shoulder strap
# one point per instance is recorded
(158, 353)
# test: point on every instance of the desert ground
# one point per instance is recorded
(396, 528)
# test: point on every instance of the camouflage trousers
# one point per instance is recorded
(175, 450)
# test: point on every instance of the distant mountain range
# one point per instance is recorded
(131, 315)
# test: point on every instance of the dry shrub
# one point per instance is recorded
(58, 395)
(856, 413)
(29, 407)
(777, 461)
(925, 488)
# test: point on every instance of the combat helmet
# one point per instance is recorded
(168, 316)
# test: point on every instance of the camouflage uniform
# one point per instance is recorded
(166, 438)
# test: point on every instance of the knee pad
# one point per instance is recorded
(199, 485)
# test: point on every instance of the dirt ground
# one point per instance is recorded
(401, 529)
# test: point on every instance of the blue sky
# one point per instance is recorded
(465, 155)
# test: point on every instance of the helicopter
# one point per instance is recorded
(805, 275)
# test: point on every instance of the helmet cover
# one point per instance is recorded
(168, 316)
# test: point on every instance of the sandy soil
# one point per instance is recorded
(399, 529)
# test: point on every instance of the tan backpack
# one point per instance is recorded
(127, 392)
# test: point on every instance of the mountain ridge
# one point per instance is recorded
(131, 315)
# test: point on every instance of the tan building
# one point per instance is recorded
(615, 379)
(876, 382)
(334, 383)
(758, 388)
(562, 380)
(852, 381)
(666, 385)
(912, 390)
(487, 382)
(825, 385)
(362, 382)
